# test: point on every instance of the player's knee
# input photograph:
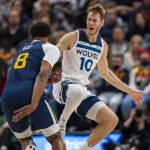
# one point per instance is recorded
(114, 120)
(54, 137)
(109, 119)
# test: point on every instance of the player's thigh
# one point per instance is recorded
(89, 107)
(69, 91)
(106, 115)
(44, 119)
(15, 97)
(94, 109)
(21, 129)
(75, 93)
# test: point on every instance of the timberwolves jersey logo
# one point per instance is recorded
(87, 53)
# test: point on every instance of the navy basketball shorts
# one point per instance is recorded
(43, 118)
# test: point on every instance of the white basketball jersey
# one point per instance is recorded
(79, 62)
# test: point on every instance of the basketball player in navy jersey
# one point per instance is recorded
(24, 90)
(82, 51)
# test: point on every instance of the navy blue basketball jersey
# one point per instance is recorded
(27, 62)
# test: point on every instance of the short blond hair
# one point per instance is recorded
(98, 8)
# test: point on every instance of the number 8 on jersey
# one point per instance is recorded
(21, 61)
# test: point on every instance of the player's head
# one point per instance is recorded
(95, 19)
(40, 30)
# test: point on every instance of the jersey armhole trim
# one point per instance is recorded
(77, 39)
(102, 44)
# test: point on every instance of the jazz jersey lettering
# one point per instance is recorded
(79, 62)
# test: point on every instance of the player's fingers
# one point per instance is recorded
(142, 98)
(140, 102)
(142, 92)
(17, 111)
(15, 118)
(20, 113)
(20, 110)
(137, 103)
(18, 117)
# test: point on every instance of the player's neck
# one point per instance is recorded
(41, 39)
(91, 38)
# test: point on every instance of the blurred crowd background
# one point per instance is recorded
(126, 30)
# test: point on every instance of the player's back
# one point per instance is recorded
(26, 63)
(24, 69)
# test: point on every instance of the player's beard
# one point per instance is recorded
(94, 31)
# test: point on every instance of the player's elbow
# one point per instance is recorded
(43, 75)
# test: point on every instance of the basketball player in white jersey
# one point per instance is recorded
(82, 51)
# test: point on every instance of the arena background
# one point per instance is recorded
(126, 30)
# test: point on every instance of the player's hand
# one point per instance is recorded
(137, 96)
(22, 112)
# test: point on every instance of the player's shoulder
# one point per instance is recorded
(68, 40)
(70, 35)
(49, 47)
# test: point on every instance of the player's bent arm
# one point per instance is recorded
(40, 83)
(67, 41)
(39, 86)
(51, 57)
(108, 75)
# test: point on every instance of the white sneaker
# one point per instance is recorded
(31, 147)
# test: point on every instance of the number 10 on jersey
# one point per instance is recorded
(86, 64)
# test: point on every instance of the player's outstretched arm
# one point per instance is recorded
(110, 77)
(39, 86)
(67, 41)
